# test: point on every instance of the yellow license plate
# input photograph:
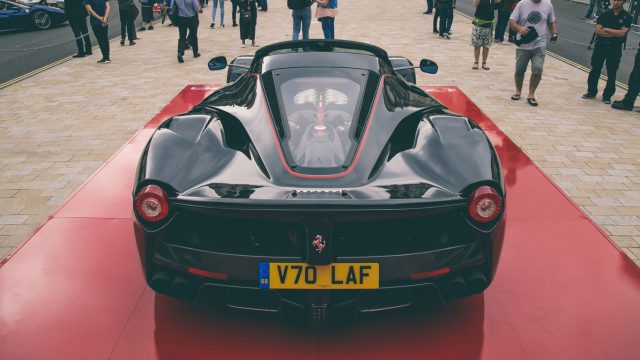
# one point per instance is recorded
(333, 276)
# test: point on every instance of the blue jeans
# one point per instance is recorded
(328, 27)
(215, 8)
(302, 18)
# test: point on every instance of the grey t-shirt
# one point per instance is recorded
(539, 15)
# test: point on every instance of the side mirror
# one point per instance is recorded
(428, 66)
(217, 63)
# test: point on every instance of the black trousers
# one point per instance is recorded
(189, 24)
(445, 11)
(602, 53)
(634, 82)
(100, 33)
(436, 14)
(81, 33)
(429, 6)
(234, 9)
(126, 25)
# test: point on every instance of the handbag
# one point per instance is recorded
(133, 11)
(245, 16)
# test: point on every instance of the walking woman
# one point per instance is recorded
(146, 9)
(248, 20)
(214, 9)
(326, 13)
(482, 34)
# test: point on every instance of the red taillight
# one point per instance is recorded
(485, 204)
(152, 204)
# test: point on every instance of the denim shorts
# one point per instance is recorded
(536, 56)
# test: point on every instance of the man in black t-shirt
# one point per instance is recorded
(611, 29)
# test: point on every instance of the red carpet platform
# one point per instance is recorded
(74, 290)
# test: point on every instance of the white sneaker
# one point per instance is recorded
(243, 46)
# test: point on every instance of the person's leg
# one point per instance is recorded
(103, 42)
(522, 60)
(443, 19)
(592, 4)
(75, 27)
(221, 13)
(325, 27)
(450, 20)
(503, 19)
(131, 31)
(193, 36)
(297, 20)
(429, 6)
(436, 15)
(332, 28)
(84, 30)
(537, 64)
(182, 39)
(613, 62)
(214, 9)
(634, 83)
(476, 57)
(124, 16)
(234, 9)
(485, 55)
(306, 22)
(597, 61)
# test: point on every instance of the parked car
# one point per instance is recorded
(53, 3)
(16, 16)
(320, 179)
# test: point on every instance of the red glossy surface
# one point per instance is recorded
(562, 290)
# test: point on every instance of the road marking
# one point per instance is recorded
(34, 72)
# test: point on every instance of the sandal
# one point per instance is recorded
(515, 97)
(475, 65)
(484, 66)
(532, 101)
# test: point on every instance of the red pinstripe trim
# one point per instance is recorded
(360, 145)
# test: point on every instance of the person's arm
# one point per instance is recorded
(92, 13)
(553, 28)
(476, 3)
(322, 2)
(107, 8)
(513, 22)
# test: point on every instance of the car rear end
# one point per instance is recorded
(318, 252)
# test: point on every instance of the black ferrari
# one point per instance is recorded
(321, 178)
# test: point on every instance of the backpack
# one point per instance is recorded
(298, 4)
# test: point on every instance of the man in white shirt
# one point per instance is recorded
(537, 14)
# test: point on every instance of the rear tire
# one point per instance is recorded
(41, 20)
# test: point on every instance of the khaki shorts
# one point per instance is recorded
(537, 60)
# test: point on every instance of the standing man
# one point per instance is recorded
(126, 22)
(188, 20)
(611, 30)
(634, 87)
(77, 15)
(301, 13)
(445, 11)
(99, 11)
(533, 16)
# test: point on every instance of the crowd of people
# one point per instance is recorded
(528, 23)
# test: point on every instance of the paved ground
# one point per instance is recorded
(58, 127)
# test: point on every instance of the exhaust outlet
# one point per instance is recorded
(476, 282)
(182, 287)
(161, 282)
(455, 288)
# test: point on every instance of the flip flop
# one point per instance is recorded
(532, 101)
(485, 67)
(475, 66)
(515, 97)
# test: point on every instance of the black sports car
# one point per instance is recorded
(322, 178)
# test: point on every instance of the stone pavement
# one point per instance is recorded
(58, 127)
